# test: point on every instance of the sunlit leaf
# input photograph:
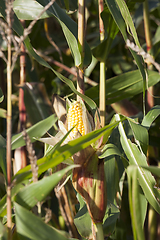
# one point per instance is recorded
(135, 204)
(151, 116)
(1, 95)
(124, 86)
(123, 20)
(137, 158)
(38, 191)
(37, 130)
(24, 11)
(155, 170)
(3, 113)
(141, 135)
(64, 152)
(30, 10)
(128, 20)
(19, 29)
(109, 150)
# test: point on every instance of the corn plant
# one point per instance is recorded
(79, 126)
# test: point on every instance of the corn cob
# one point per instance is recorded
(74, 118)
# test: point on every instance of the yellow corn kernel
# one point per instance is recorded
(74, 117)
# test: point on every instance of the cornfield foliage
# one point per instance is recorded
(122, 156)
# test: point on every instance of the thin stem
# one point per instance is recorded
(152, 215)
(22, 109)
(147, 26)
(150, 99)
(9, 116)
(102, 92)
(81, 36)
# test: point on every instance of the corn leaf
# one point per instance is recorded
(117, 14)
(140, 134)
(1, 95)
(3, 232)
(151, 116)
(121, 15)
(135, 204)
(123, 86)
(109, 150)
(24, 11)
(37, 130)
(30, 10)
(110, 219)
(38, 191)
(82, 219)
(62, 153)
(128, 20)
(27, 222)
(137, 158)
(154, 170)
(3, 113)
(19, 30)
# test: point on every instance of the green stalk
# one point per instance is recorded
(102, 90)
(98, 231)
(81, 37)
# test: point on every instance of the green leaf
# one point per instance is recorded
(135, 203)
(137, 158)
(31, 226)
(128, 20)
(3, 232)
(68, 25)
(82, 219)
(123, 20)
(70, 30)
(19, 30)
(1, 95)
(3, 113)
(124, 86)
(151, 116)
(30, 10)
(109, 150)
(38, 191)
(153, 170)
(110, 219)
(140, 134)
(62, 153)
(15, 189)
(37, 130)
(112, 178)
